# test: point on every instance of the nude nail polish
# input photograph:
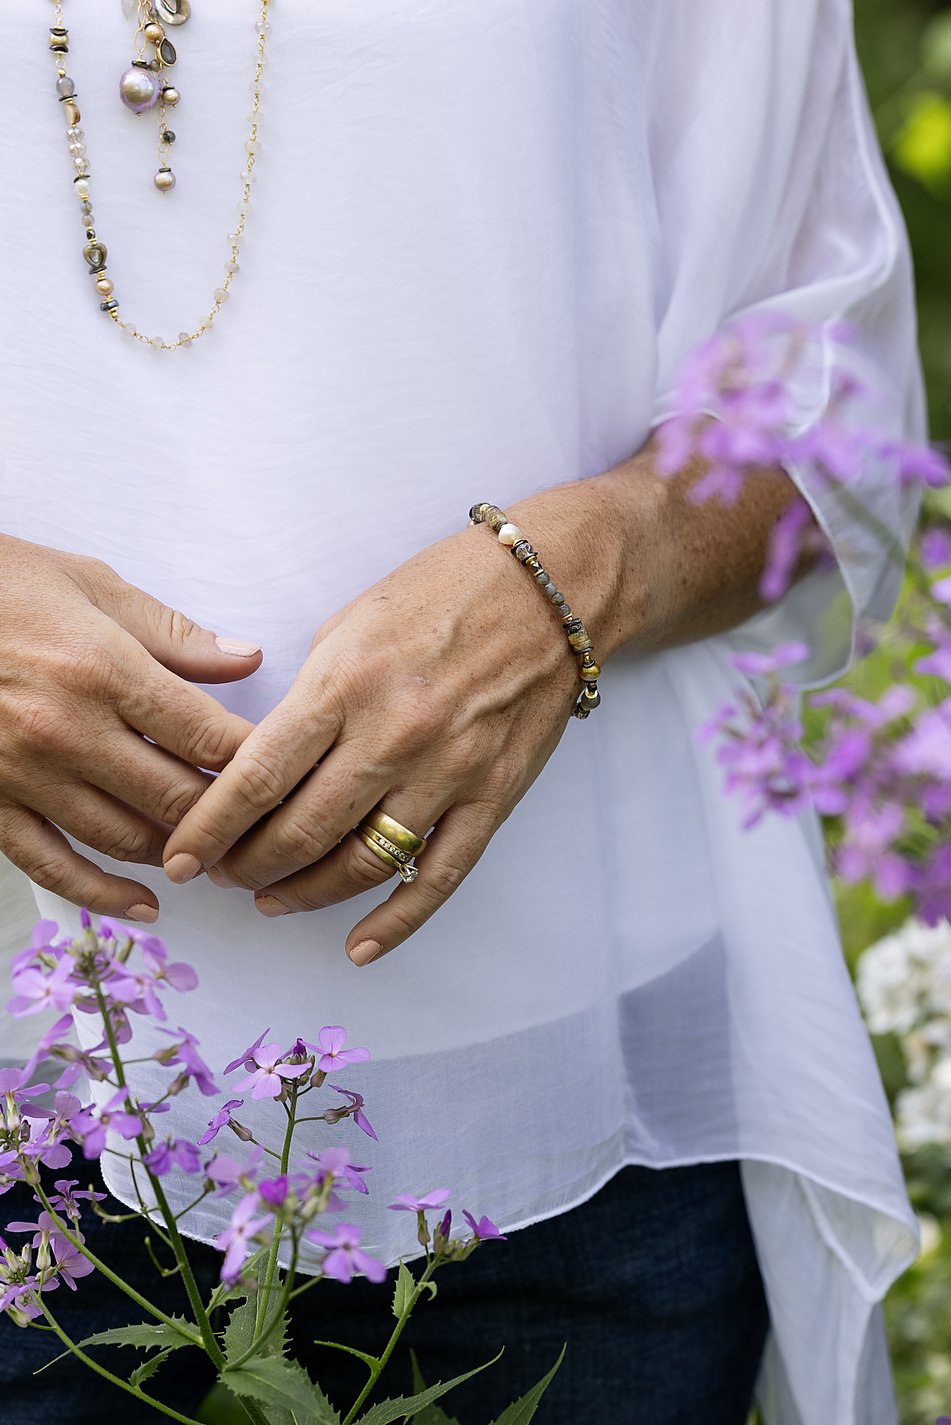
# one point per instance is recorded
(366, 952)
(237, 647)
(182, 867)
(140, 911)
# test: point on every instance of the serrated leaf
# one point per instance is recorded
(239, 1332)
(390, 1410)
(282, 1383)
(403, 1291)
(144, 1336)
(430, 1414)
(149, 1367)
(521, 1411)
(372, 1362)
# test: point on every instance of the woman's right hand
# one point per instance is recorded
(91, 667)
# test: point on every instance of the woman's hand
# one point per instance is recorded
(90, 668)
(437, 696)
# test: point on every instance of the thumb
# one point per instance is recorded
(173, 640)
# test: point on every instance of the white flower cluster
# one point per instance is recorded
(904, 985)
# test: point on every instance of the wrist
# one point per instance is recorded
(598, 538)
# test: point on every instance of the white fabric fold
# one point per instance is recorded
(483, 237)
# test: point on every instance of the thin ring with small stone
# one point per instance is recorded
(392, 830)
(388, 852)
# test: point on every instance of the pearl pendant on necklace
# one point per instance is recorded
(139, 88)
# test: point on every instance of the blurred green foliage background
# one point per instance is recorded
(905, 49)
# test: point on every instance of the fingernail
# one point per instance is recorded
(237, 647)
(141, 911)
(365, 952)
(182, 867)
(270, 905)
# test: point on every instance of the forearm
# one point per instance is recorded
(644, 566)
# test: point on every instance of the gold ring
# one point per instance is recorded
(395, 862)
(400, 835)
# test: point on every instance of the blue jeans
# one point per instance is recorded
(653, 1283)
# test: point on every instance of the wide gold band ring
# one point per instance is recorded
(387, 852)
(394, 831)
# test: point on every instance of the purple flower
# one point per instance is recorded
(236, 1240)
(266, 1080)
(247, 1058)
(484, 1229)
(222, 1119)
(429, 1200)
(164, 1156)
(36, 991)
(226, 1172)
(185, 1052)
(66, 1199)
(336, 1163)
(344, 1257)
(274, 1191)
(333, 1115)
(89, 1126)
(761, 664)
(329, 1046)
(934, 546)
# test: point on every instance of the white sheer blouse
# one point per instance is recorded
(484, 235)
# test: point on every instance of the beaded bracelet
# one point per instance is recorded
(510, 535)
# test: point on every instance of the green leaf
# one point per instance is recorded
(403, 1292)
(430, 1414)
(149, 1367)
(144, 1336)
(521, 1411)
(390, 1410)
(239, 1332)
(371, 1362)
(285, 1384)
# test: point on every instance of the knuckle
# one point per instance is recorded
(177, 627)
(441, 879)
(128, 843)
(175, 803)
(419, 717)
(38, 727)
(209, 741)
(363, 867)
(87, 666)
(301, 837)
(260, 784)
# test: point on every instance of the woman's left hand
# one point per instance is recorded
(436, 696)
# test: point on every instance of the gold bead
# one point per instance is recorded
(104, 287)
(590, 672)
(154, 33)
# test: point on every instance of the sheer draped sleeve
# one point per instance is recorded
(787, 208)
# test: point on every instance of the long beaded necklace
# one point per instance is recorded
(94, 251)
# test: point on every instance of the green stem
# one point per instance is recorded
(274, 1322)
(208, 1337)
(110, 1275)
(376, 1372)
(107, 1375)
(262, 1301)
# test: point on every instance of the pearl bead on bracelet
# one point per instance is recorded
(510, 535)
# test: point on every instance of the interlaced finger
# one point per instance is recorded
(144, 776)
(455, 846)
(44, 854)
(351, 867)
(275, 757)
